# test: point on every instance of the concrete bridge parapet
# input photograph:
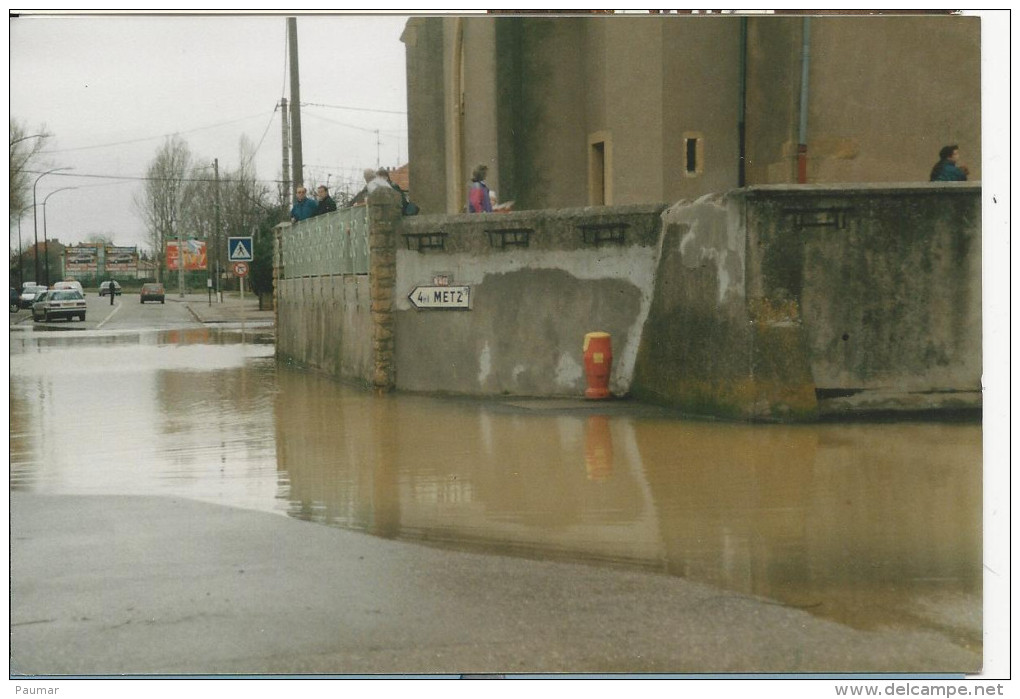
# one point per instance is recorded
(767, 303)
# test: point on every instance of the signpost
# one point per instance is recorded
(241, 271)
(441, 297)
(241, 253)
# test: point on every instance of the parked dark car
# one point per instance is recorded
(104, 288)
(153, 292)
(59, 303)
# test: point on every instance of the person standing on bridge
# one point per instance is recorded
(948, 168)
(113, 290)
(326, 203)
(479, 199)
(303, 206)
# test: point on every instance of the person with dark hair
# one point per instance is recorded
(947, 168)
(479, 199)
(325, 202)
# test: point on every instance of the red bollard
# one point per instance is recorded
(598, 361)
(598, 448)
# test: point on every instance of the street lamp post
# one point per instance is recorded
(46, 244)
(21, 256)
(35, 217)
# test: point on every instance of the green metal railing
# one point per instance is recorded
(334, 243)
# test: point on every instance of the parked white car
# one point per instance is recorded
(59, 303)
(30, 293)
(69, 284)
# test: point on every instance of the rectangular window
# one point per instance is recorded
(694, 154)
(598, 174)
(600, 169)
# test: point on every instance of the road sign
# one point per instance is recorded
(440, 297)
(240, 249)
(240, 269)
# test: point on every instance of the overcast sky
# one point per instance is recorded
(111, 89)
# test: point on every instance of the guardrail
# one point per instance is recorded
(331, 244)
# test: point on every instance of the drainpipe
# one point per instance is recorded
(805, 62)
(742, 108)
(458, 115)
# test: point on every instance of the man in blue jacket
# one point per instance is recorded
(947, 169)
(303, 206)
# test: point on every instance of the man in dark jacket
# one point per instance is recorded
(947, 169)
(326, 203)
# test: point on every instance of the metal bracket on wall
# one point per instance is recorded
(425, 241)
(599, 233)
(509, 237)
(831, 217)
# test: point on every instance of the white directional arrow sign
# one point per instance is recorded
(440, 297)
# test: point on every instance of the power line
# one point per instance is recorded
(261, 140)
(152, 138)
(353, 109)
(140, 178)
(356, 128)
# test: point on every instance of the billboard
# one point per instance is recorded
(194, 255)
(121, 259)
(81, 259)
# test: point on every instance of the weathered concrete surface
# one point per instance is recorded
(141, 585)
(772, 303)
(325, 323)
(531, 306)
(794, 302)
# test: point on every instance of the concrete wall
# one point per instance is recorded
(531, 307)
(795, 302)
(766, 303)
(323, 323)
(426, 115)
(339, 323)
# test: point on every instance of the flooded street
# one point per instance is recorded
(870, 525)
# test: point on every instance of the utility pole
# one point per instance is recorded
(216, 234)
(180, 252)
(286, 150)
(295, 103)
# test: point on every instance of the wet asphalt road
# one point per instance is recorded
(143, 585)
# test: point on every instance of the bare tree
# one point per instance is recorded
(104, 239)
(24, 151)
(162, 201)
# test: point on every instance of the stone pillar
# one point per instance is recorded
(384, 215)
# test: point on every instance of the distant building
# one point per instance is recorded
(400, 177)
(146, 269)
(580, 111)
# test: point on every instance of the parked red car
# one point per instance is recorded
(153, 292)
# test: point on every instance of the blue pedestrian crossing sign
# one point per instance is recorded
(239, 249)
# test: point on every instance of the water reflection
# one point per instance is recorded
(869, 524)
(144, 413)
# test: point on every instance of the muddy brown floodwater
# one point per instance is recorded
(873, 525)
